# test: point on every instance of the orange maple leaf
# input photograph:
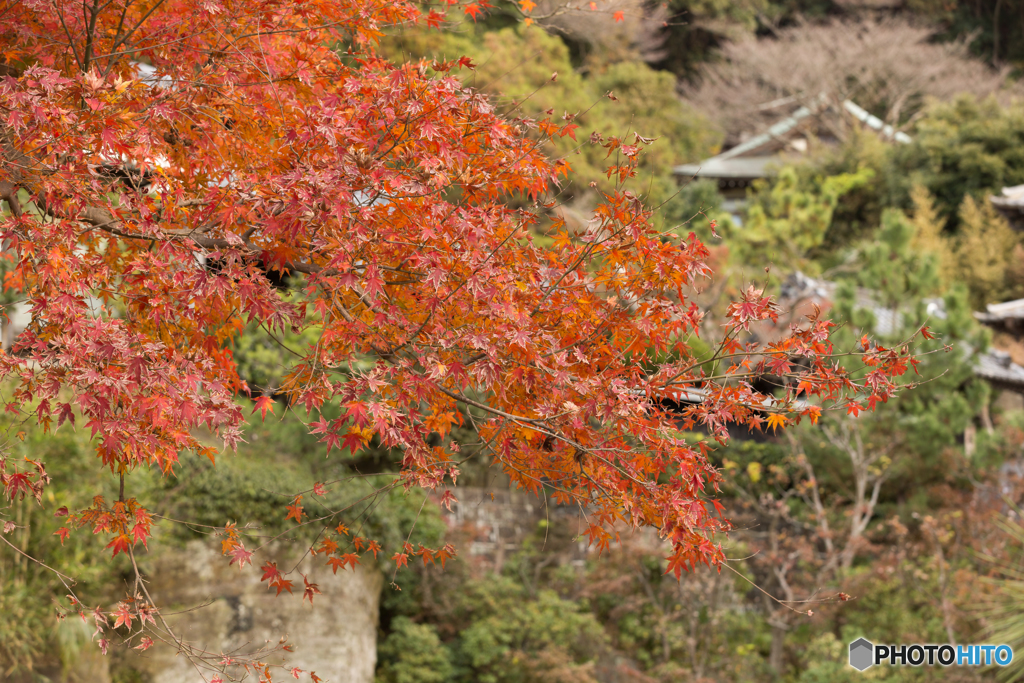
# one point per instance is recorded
(401, 559)
(776, 420)
(295, 510)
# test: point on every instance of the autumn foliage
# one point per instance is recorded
(144, 141)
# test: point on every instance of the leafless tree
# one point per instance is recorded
(798, 560)
(888, 66)
(614, 29)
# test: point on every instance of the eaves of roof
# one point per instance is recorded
(717, 167)
(1007, 310)
(742, 161)
(997, 368)
(1009, 198)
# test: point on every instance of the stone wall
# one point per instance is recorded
(492, 524)
(211, 603)
(226, 610)
(336, 636)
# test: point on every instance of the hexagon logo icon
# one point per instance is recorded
(861, 654)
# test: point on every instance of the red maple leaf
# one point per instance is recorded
(140, 533)
(240, 555)
(445, 553)
(124, 617)
(309, 591)
(270, 571)
(263, 404)
(119, 544)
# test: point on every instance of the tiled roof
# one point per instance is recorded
(1010, 198)
(1007, 310)
(996, 367)
(749, 160)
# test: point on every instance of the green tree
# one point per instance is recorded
(788, 218)
(983, 252)
(964, 147)
(413, 653)
(513, 638)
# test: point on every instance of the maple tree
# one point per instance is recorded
(161, 157)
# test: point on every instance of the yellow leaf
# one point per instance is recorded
(776, 420)
(754, 471)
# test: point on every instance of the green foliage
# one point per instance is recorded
(30, 640)
(413, 653)
(1002, 609)
(22, 630)
(960, 149)
(693, 206)
(494, 629)
(895, 272)
(512, 640)
(281, 458)
(828, 662)
(238, 488)
(697, 28)
(961, 153)
(983, 252)
(787, 218)
(894, 290)
(859, 211)
(965, 147)
(263, 357)
(994, 26)
(898, 607)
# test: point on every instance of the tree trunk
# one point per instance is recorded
(995, 33)
(776, 656)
